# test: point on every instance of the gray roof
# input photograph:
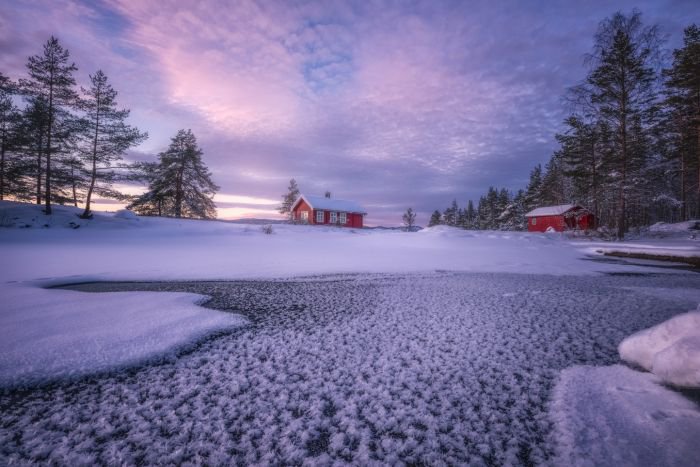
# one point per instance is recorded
(331, 204)
(551, 210)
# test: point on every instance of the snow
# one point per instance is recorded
(332, 204)
(617, 416)
(126, 214)
(662, 228)
(112, 248)
(435, 369)
(550, 210)
(362, 346)
(47, 334)
(670, 350)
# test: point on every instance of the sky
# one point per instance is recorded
(393, 104)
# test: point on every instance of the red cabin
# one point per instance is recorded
(559, 218)
(328, 211)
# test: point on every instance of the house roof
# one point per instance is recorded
(551, 210)
(330, 204)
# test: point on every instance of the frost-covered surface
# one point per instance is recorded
(670, 350)
(617, 416)
(433, 368)
(50, 334)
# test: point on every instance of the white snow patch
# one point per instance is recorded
(126, 214)
(670, 350)
(550, 210)
(617, 416)
(49, 334)
(678, 227)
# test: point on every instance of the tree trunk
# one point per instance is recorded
(178, 193)
(93, 176)
(683, 185)
(697, 201)
(75, 195)
(38, 165)
(48, 150)
(594, 185)
(623, 140)
(2, 164)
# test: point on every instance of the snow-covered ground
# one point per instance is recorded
(679, 240)
(50, 334)
(434, 366)
(613, 415)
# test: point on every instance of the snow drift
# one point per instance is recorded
(670, 350)
(614, 415)
(51, 334)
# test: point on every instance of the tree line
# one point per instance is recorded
(66, 145)
(630, 148)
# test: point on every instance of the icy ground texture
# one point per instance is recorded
(617, 416)
(67, 334)
(435, 368)
(670, 350)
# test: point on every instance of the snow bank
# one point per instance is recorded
(31, 216)
(617, 416)
(676, 228)
(670, 350)
(126, 214)
(49, 334)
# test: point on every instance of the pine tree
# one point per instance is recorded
(181, 185)
(106, 137)
(435, 219)
(533, 192)
(450, 215)
(51, 81)
(289, 198)
(470, 215)
(10, 166)
(33, 141)
(622, 88)
(553, 190)
(682, 90)
(409, 219)
(582, 150)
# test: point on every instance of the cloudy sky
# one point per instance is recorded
(390, 103)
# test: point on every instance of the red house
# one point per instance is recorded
(559, 218)
(328, 211)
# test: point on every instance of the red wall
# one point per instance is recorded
(353, 220)
(302, 206)
(560, 223)
(544, 222)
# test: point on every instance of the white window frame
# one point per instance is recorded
(343, 218)
(534, 221)
(334, 217)
(305, 216)
(320, 217)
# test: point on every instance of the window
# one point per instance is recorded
(305, 216)
(534, 221)
(319, 217)
(334, 217)
(343, 218)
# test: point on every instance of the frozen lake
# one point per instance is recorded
(423, 368)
